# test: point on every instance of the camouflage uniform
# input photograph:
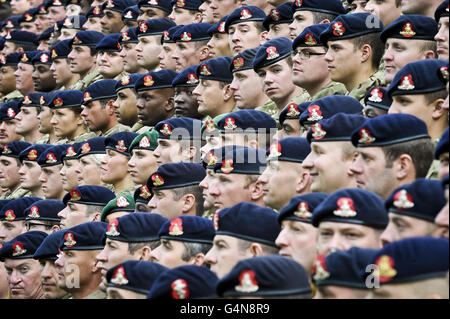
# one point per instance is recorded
(130, 190)
(11, 96)
(433, 172)
(116, 129)
(18, 193)
(360, 91)
(90, 78)
(332, 88)
(45, 139)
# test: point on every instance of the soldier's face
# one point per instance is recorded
(24, 80)
(442, 39)
(341, 57)
(297, 240)
(228, 190)
(111, 22)
(209, 96)
(45, 116)
(73, 215)
(148, 49)
(129, 58)
(442, 219)
(95, 115)
(278, 30)
(358, 6)
(163, 203)
(443, 165)
(414, 105)
(114, 167)
(67, 34)
(93, 24)
(247, 89)
(141, 165)
(55, 14)
(182, 16)
(302, 19)
(27, 121)
(9, 48)
(23, 278)
(221, 8)
(372, 112)
(152, 105)
(69, 176)
(387, 11)
(81, 60)
(7, 80)
(43, 78)
(49, 280)
(208, 200)
(218, 45)
(416, 6)
(114, 253)
(41, 23)
(311, 73)
(146, 13)
(29, 175)
(211, 142)
(165, 57)
(242, 36)
(338, 292)
(169, 253)
(207, 13)
(88, 170)
(28, 26)
(65, 122)
(289, 128)
(84, 262)
(125, 107)
(110, 64)
(185, 55)
(9, 172)
(51, 181)
(10, 230)
(185, 103)
(8, 131)
(19, 6)
(61, 71)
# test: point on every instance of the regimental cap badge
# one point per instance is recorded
(119, 278)
(58, 102)
(315, 114)
(144, 142)
(67, 23)
(179, 289)
(346, 208)
(125, 37)
(293, 110)
(125, 80)
(338, 29)
(407, 83)
(128, 15)
(32, 155)
(181, 3)
(153, 2)
(122, 202)
(212, 159)
(10, 112)
(166, 36)
(210, 126)
(310, 39)
(298, 3)
(6, 149)
(18, 249)
(76, 40)
(120, 146)
(275, 150)
(75, 195)
(230, 124)
(69, 240)
(24, 58)
(238, 63)
(148, 80)
(303, 211)
(71, 152)
(41, 100)
(2, 59)
(204, 70)
(34, 212)
(85, 148)
(112, 228)
(51, 158)
(54, 54)
(57, 3)
(272, 53)
(376, 95)
(365, 137)
(403, 200)
(320, 270)
(144, 193)
(166, 129)
(247, 282)
(97, 10)
(157, 180)
(10, 25)
(9, 215)
(385, 270)
(227, 166)
(275, 14)
(186, 37)
(318, 132)
(216, 221)
(42, 10)
(26, 100)
(176, 227)
(444, 73)
(143, 27)
(28, 17)
(87, 96)
(245, 14)
(408, 30)
(192, 78)
(110, 4)
(221, 27)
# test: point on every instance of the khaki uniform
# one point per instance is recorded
(333, 88)
(130, 190)
(90, 78)
(360, 91)
(98, 294)
(16, 194)
(120, 76)
(269, 107)
(11, 96)
(433, 172)
(116, 129)
(45, 139)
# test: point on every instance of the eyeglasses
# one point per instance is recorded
(306, 55)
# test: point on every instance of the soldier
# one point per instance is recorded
(109, 61)
(9, 170)
(114, 169)
(8, 122)
(289, 121)
(185, 240)
(377, 102)
(207, 13)
(27, 121)
(277, 21)
(185, 103)
(41, 21)
(89, 157)
(441, 154)
(30, 170)
(185, 11)
(168, 46)
(211, 135)
(355, 6)
(441, 16)
(128, 42)
(55, 10)
(354, 54)
(69, 175)
(386, 11)
(331, 145)
(26, 21)
(79, 247)
(45, 116)
(120, 206)
(93, 17)
(8, 65)
(242, 231)
(176, 190)
(43, 215)
(244, 27)
(427, 8)
(125, 103)
(17, 256)
(150, 9)
(264, 277)
(284, 176)
(408, 39)
(23, 74)
(442, 219)
(129, 17)
(142, 196)
(19, 41)
(112, 10)
(12, 218)
(51, 164)
(46, 39)
(42, 76)
(142, 162)
(349, 217)
(222, 8)
(64, 78)
(218, 44)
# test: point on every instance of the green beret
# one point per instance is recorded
(122, 203)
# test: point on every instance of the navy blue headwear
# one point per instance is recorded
(44, 36)
(134, 275)
(167, 35)
(310, 37)
(422, 199)
(3, 202)
(243, 60)
(71, 151)
(420, 77)
(86, 38)
(411, 259)
(389, 129)
(28, 16)
(154, 26)
(300, 208)
(444, 182)
(331, 6)
(22, 37)
(213, 156)
(265, 276)
(240, 121)
(328, 106)
(411, 27)
(290, 149)
(120, 142)
(58, 25)
(192, 5)
(13, 149)
(74, 22)
(184, 282)
(349, 26)
(442, 11)
(64, 99)
(117, 5)
(129, 36)
(49, 248)
(155, 80)
(86, 236)
(242, 160)
(292, 111)
(192, 32)
(46, 209)
(2, 43)
(135, 227)
(11, 59)
(9, 110)
(23, 246)
(15, 209)
(352, 206)
(176, 175)
(95, 145)
(33, 152)
(11, 22)
(52, 156)
(279, 15)
(219, 27)
(443, 145)
(55, 3)
(100, 90)
(127, 81)
(216, 69)
(31, 99)
(244, 14)
(272, 52)
(337, 128)
(249, 222)
(110, 43)
(130, 13)
(43, 57)
(194, 229)
(378, 97)
(186, 78)
(95, 11)
(179, 128)
(89, 195)
(28, 56)
(164, 5)
(142, 194)
(343, 268)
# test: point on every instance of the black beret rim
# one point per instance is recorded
(64, 106)
(28, 105)
(436, 274)
(215, 78)
(292, 217)
(195, 39)
(179, 138)
(348, 221)
(223, 131)
(237, 21)
(397, 92)
(176, 185)
(330, 139)
(147, 5)
(93, 247)
(50, 164)
(397, 141)
(19, 257)
(343, 283)
(270, 62)
(191, 240)
(384, 38)
(349, 36)
(132, 239)
(15, 219)
(242, 68)
(91, 153)
(21, 42)
(141, 200)
(267, 23)
(51, 219)
(319, 10)
(186, 85)
(33, 62)
(129, 287)
(114, 149)
(45, 257)
(237, 171)
(9, 155)
(148, 88)
(86, 203)
(144, 34)
(412, 214)
(285, 159)
(107, 49)
(267, 293)
(296, 45)
(7, 119)
(378, 106)
(129, 41)
(128, 86)
(113, 9)
(104, 97)
(246, 237)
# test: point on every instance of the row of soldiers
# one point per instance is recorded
(189, 149)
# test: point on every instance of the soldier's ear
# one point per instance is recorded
(256, 250)
(198, 260)
(227, 93)
(198, 17)
(303, 182)
(188, 203)
(404, 168)
(204, 53)
(145, 253)
(169, 104)
(438, 110)
(263, 37)
(366, 53)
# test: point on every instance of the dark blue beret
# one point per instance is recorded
(52, 156)
(192, 32)
(56, 3)
(58, 25)
(176, 175)
(44, 36)
(3, 202)
(31, 99)
(117, 5)
(28, 56)
(46, 209)
(154, 26)
(244, 14)
(49, 248)
(142, 195)
(352, 206)
(337, 128)
(13, 149)
(2, 43)
(42, 8)
(9, 110)
(103, 89)
(155, 80)
(43, 57)
(134, 275)
(33, 152)
(23, 246)
(74, 22)
(164, 5)
(60, 50)
(120, 142)
(11, 22)
(411, 27)
(349, 26)
(272, 52)
(64, 99)
(28, 16)
(130, 13)
(279, 15)
(214, 155)
(265, 276)
(95, 145)
(110, 43)
(192, 5)
(22, 37)
(328, 106)
(249, 222)
(11, 59)
(242, 120)
(15, 209)
(167, 35)
(310, 37)
(443, 145)
(290, 149)
(86, 236)
(422, 199)
(89, 195)
(87, 38)
(411, 259)
(293, 111)
(243, 60)
(442, 11)
(72, 150)
(300, 208)
(193, 229)
(127, 81)
(420, 77)
(184, 282)
(217, 69)
(186, 78)
(179, 128)
(378, 97)
(135, 227)
(330, 6)
(242, 160)
(219, 27)
(129, 36)
(343, 268)
(95, 11)
(389, 129)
